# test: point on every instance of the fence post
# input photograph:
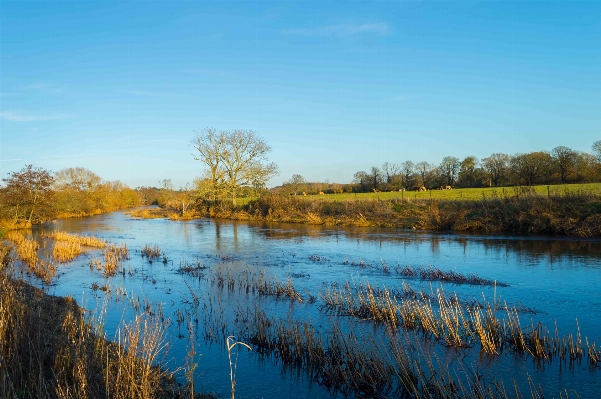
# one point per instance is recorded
(548, 192)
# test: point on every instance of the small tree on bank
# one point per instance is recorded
(28, 195)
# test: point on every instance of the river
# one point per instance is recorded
(557, 279)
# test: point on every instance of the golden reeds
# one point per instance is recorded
(87, 241)
(66, 251)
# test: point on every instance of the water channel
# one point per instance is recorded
(558, 279)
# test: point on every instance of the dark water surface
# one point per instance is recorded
(560, 278)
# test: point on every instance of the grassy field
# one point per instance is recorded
(474, 194)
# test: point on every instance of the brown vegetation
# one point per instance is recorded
(49, 350)
(577, 214)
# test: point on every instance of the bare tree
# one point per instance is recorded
(361, 178)
(496, 168)
(376, 177)
(392, 176)
(211, 146)
(297, 183)
(531, 168)
(449, 169)
(597, 149)
(235, 159)
(424, 171)
(467, 171)
(407, 172)
(565, 159)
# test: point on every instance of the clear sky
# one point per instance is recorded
(333, 87)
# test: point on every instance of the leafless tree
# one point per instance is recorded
(449, 169)
(597, 149)
(496, 168)
(424, 171)
(407, 172)
(566, 160)
(531, 168)
(234, 159)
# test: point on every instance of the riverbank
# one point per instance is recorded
(575, 214)
(48, 349)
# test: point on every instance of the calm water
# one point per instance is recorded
(559, 278)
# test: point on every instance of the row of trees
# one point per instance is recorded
(560, 165)
(34, 195)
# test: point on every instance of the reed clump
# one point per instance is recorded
(151, 252)
(455, 323)
(26, 248)
(113, 256)
(86, 241)
(435, 274)
(351, 360)
(66, 251)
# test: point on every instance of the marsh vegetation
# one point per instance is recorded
(353, 311)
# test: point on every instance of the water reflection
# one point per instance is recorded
(526, 249)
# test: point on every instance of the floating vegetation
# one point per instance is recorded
(435, 274)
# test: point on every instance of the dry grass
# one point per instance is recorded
(456, 323)
(27, 251)
(49, 350)
(86, 241)
(66, 251)
(113, 256)
(152, 252)
(575, 212)
(354, 361)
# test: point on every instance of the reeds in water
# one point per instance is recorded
(435, 274)
(151, 252)
(86, 241)
(113, 255)
(66, 251)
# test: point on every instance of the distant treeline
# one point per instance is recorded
(559, 166)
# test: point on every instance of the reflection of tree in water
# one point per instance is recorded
(526, 249)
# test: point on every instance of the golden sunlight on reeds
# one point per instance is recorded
(86, 241)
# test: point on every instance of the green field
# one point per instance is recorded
(472, 194)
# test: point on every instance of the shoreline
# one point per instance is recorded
(577, 216)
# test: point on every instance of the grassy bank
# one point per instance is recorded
(571, 213)
(49, 349)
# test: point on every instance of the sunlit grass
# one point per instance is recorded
(474, 194)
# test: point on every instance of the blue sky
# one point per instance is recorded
(333, 87)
